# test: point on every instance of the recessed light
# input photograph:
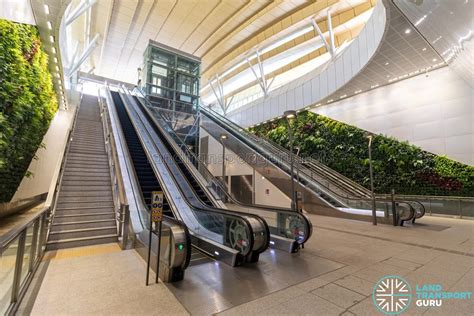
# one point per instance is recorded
(434, 59)
(57, 68)
(53, 50)
(357, 91)
(407, 31)
(50, 25)
(56, 60)
(387, 63)
(374, 86)
(424, 49)
(318, 104)
(330, 100)
(46, 9)
(343, 96)
(51, 38)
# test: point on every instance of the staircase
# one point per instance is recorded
(85, 210)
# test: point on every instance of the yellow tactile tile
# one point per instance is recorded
(81, 251)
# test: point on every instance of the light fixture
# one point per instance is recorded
(357, 91)
(424, 49)
(56, 60)
(53, 50)
(290, 114)
(51, 38)
(374, 86)
(318, 104)
(343, 96)
(50, 25)
(57, 68)
(223, 136)
(330, 100)
(434, 59)
(46, 9)
(387, 63)
(407, 31)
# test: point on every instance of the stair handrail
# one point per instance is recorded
(40, 223)
(122, 211)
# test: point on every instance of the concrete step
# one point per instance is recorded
(90, 164)
(83, 210)
(85, 187)
(92, 182)
(107, 194)
(81, 224)
(99, 203)
(83, 199)
(86, 178)
(99, 159)
(86, 170)
(79, 233)
(83, 217)
(80, 242)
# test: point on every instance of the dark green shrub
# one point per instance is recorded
(27, 102)
(398, 165)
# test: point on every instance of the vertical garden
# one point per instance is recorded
(397, 165)
(27, 102)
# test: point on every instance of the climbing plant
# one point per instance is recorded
(27, 102)
(398, 165)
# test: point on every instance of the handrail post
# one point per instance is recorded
(394, 208)
(126, 221)
(19, 263)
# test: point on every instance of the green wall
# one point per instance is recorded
(27, 102)
(398, 165)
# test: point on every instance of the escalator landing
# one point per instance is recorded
(212, 287)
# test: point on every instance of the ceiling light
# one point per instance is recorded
(330, 100)
(318, 104)
(50, 25)
(57, 68)
(46, 9)
(434, 59)
(343, 96)
(53, 50)
(407, 31)
(357, 91)
(387, 63)
(51, 38)
(424, 48)
(374, 86)
(56, 60)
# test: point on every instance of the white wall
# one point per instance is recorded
(48, 157)
(236, 166)
(434, 112)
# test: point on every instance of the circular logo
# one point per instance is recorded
(392, 295)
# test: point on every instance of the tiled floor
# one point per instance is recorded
(97, 280)
(367, 254)
(334, 275)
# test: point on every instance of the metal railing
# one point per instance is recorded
(22, 248)
(121, 207)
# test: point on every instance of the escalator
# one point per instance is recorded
(289, 229)
(319, 196)
(222, 235)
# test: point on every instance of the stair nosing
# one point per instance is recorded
(81, 230)
(84, 222)
(87, 214)
(50, 242)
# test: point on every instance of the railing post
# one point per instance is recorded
(394, 208)
(34, 240)
(460, 208)
(126, 221)
(19, 263)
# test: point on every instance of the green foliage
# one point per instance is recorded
(398, 165)
(27, 102)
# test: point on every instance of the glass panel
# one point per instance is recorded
(27, 254)
(162, 58)
(185, 65)
(7, 271)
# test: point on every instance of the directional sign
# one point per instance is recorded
(156, 206)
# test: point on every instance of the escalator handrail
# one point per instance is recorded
(138, 197)
(205, 209)
(273, 161)
(185, 150)
(274, 147)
